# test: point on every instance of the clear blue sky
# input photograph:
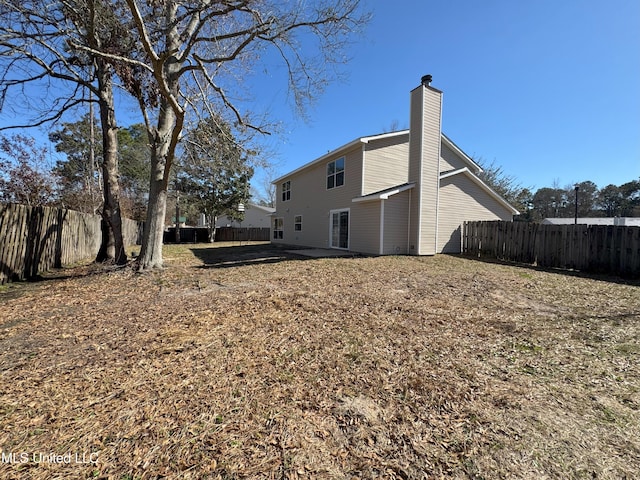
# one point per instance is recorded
(547, 89)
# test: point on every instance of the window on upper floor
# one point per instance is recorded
(286, 191)
(335, 173)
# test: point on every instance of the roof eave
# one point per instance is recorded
(342, 149)
(384, 194)
(482, 185)
(450, 143)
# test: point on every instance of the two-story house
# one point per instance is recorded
(405, 192)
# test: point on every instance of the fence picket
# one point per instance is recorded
(36, 239)
(593, 248)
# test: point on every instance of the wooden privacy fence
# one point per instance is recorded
(36, 239)
(223, 234)
(231, 234)
(589, 248)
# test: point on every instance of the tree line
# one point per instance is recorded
(560, 202)
(211, 175)
(74, 181)
(183, 62)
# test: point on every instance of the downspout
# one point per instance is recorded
(363, 167)
(409, 224)
(382, 226)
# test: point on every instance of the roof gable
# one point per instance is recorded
(473, 166)
(481, 184)
(340, 150)
(466, 159)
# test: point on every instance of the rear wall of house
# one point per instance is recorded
(365, 227)
(311, 199)
(396, 218)
(386, 164)
(461, 199)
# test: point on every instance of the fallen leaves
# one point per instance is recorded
(394, 367)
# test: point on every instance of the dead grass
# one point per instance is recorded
(248, 362)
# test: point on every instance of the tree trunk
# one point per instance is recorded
(151, 250)
(112, 247)
(163, 142)
(212, 227)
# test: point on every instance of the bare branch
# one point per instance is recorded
(226, 101)
(142, 30)
(59, 113)
(109, 56)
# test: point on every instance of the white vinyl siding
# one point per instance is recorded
(424, 160)
(365, 226)
(396, 216)
(449, 160)
(462, 199)
(386, 163)
(313, 201)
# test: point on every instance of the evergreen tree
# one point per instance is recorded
(79, 174)
(214, 172)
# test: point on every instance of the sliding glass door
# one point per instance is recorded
(339, 228)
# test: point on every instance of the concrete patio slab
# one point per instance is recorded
(321, 252)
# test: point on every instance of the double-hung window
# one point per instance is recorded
(286, 191)
(335, 173)
(297, 223)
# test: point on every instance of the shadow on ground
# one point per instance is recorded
(236, 256)
(603, 277)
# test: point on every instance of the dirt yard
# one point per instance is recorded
(253, 363)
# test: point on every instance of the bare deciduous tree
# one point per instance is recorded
(25, 177)
(37, 52)
(190, 53)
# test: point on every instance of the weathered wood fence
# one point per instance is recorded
(231, 234)
(589, 248)
(36, 239)
(223, 234)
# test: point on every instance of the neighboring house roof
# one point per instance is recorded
(251, 211)
(622, 221)
(384, 194)
(481, 184)
(265, 209)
